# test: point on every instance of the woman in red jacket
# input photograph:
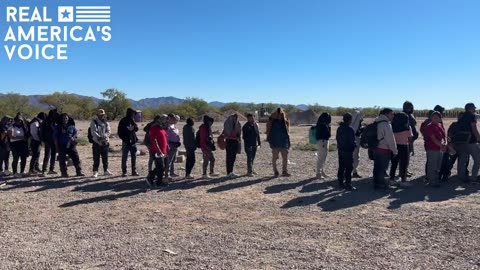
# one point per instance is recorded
(158, 150)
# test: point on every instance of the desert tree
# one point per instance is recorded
(115, 103)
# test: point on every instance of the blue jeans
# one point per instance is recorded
(380, 165)
(126, 149)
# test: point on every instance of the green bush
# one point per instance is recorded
(83, 141)
(306, 147)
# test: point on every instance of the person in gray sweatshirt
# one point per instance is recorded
(385, 149)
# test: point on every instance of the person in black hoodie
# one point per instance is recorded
(46, 135)
(323, 134)
(251, 140)
(190, 146)
(127, 129)
(346, 145)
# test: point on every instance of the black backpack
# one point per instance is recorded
(369, 139)
(89, 135)
(197, 139)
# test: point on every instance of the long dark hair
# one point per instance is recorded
(400, 122)
(325, 119)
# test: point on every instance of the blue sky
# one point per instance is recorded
(335, 52)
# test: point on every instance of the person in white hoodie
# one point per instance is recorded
(356, 125)
(385, 149)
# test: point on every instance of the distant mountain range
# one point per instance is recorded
(143, 103)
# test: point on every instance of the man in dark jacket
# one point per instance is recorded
(127, 129)
(409, 109)
(190, 146)
(251, 140)
(346, 145)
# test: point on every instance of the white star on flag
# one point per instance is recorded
(65, 14)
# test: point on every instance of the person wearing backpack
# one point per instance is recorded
(386, 148)
(190, 146)
(404, 139)
(207, 145)
(278, 136)
(66, 141)
(467, 144)
(127, 131)
(5, 126)
(346, 146)
(251, 141)
(232, 130)
(35, 142)
(451, 156)
(46, 134)
(322, 134)
(356, 125)
(100, 132)
(18, 135)
(146, 140)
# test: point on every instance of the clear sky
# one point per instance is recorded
(331, 52)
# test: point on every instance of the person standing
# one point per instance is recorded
(404, 139)
(173, 136)
(322, 134)
(127, 131)
(146, 140)
(100, 132)
(232, 131)
(346, 146)
(66, 141)
(5, 126)
(278, 136)
(251, 141)
(385, 149)
(356, 125)
(208, 146)
(190, 147)
(46, 134)
(467, 126)
(158, 150)
(36, 142)
(435, 145)
(18, 135)
(409, 109)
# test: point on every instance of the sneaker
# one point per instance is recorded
(95, 174)
(7, 173)
(32, 173)
(124, 174)
(405, 184)
(174, 175)
(80, 174)
(206, 176)
(250, 174)
(107, 173)
(65, 175)
(135, 174)
(320, 177)
(44, 174)
(52, 172)
(18, 175)
(254, 173)
(392, 182)
(214, 175)
(349, 187)
(356, 175)
(286, 174)
(189, 177)
(409, 174)
(232, 175)
(276, 174)
(324, 175)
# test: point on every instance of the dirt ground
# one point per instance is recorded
(246, 223)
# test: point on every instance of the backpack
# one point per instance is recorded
(369, 139)
(312, 135)
(197, 139)
(89, 135)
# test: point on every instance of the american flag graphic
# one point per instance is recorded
(99, 14)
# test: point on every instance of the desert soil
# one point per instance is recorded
(245, 223)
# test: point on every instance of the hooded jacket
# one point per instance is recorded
(356, 125)
(232, 129)
(345, 138)
(386, 139)
(100, 131)
(127, 136)
(189, 137)
(278, 130)
(251, 134)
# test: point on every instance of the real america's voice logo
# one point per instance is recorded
(34, 33)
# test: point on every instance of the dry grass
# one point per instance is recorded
(245, 223)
